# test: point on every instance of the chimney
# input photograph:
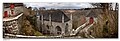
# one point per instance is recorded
(71, 17)
(62, 18)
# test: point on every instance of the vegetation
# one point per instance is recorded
(107, 25)
(28, 30)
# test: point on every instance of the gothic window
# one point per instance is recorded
(58, 30)
(47, 27)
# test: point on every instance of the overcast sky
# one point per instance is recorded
(59, 5)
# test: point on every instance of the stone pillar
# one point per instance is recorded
(38, 22)
(63, 26)
(70, 24)
(50, 24)
(42, 22)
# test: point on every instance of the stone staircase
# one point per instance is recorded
(83, 28)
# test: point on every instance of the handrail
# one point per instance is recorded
(78, 29)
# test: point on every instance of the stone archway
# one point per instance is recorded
(58, 30)
(48, 29)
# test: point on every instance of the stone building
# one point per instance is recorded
(91, 17)
(53, 22)
(12, 20)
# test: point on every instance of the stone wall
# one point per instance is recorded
(54, 25)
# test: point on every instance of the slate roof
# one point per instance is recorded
(56, 15)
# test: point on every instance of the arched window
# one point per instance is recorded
(47, 27)
(58, 30)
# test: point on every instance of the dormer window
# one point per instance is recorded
(12, 6)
